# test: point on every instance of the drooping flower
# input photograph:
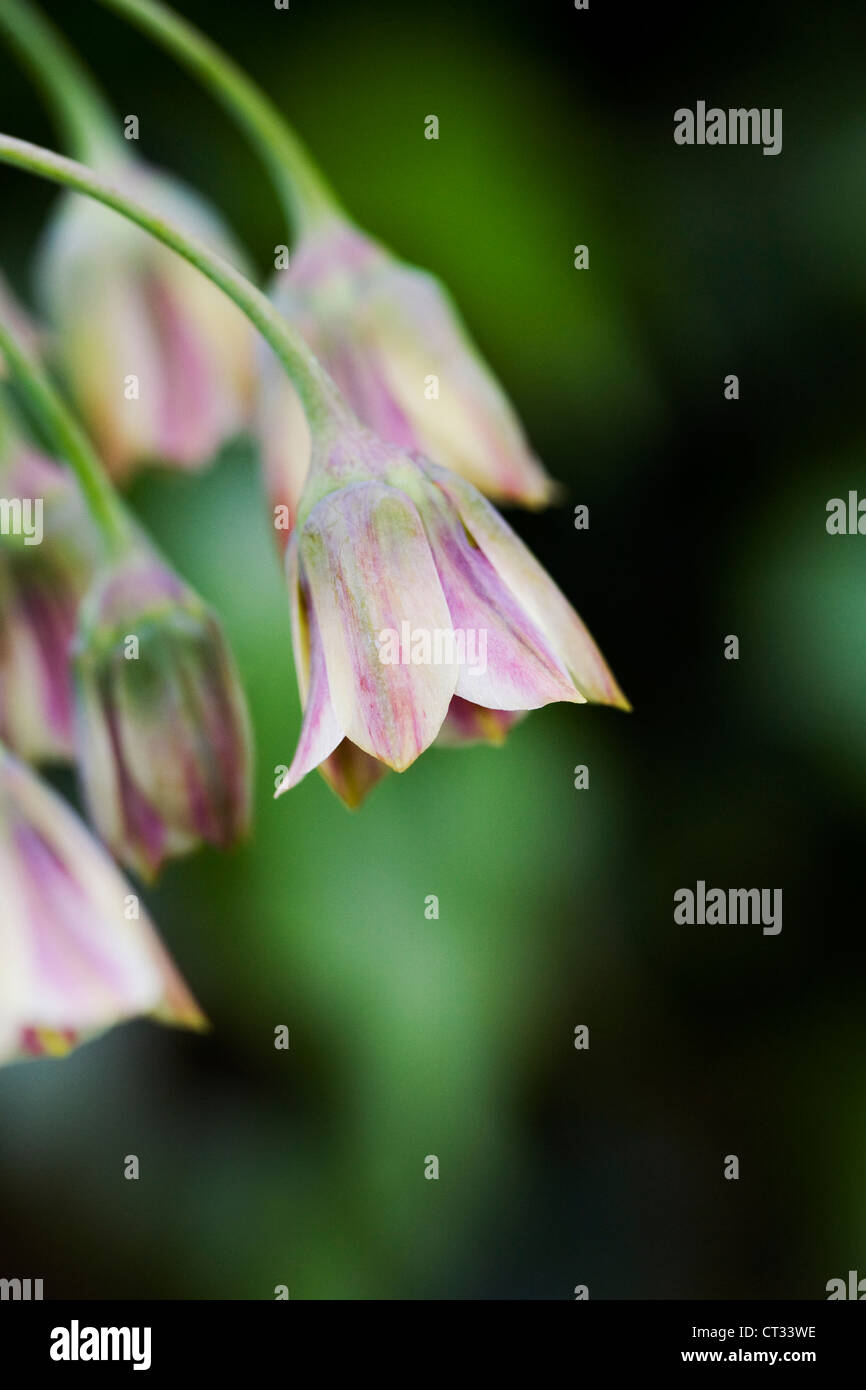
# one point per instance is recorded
(159, 360)
(419, 615)
(164, 740)
(43, 577)
(391, 339)
(79, 953)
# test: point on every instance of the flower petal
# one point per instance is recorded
(536, 592)
(509, 663)
(351, 773)
(370, 571)
(468, 424)
(467, 723)
(320, 732)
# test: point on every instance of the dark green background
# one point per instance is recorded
(411, 1037)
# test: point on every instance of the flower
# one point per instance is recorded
(391, 339)
(163, 732)
(79, 953)
(159, 360)
(41, 586)
(418, 615)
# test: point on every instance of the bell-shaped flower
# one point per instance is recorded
(77, 949)
(419, 615)
(160, 362)
(164, 739)
(391, 339)
(48, 555)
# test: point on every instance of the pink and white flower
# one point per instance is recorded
(79, 952)
(386, 540)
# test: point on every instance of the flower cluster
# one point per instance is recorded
(382, 435)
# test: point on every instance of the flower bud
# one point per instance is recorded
(163, 731)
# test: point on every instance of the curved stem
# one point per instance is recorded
(319, 396)
(87, 123)
(70, 441)
(305, 196)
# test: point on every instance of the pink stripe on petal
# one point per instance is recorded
(370, 570)
(361, 379)
(510, 664)
(544, 603)
(78, 974)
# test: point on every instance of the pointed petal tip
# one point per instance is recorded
(350, 797)
(351, 793)
(193, 1019)
(547, 493)
(351, 773)
(402, 762)
(614, 696)
(145, 870)
(613, 699)
(609, 695)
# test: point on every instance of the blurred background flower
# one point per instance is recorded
(454, 1036)
(41, 586)
(79, 955)
(391, 339)
(159, 361)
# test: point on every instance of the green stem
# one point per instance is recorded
(70, 441)
(319, 396)
(305, 196)
(88, 126)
